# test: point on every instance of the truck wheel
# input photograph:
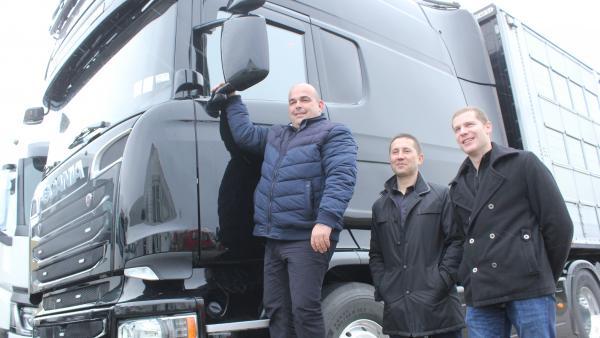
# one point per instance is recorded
(586, 303)
(350, 311)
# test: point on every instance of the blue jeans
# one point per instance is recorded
(532, 318)
(452, 334)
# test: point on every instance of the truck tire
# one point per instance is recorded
(585, 293)
(350, 311)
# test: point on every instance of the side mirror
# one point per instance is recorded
(244, 51)
(34, 115)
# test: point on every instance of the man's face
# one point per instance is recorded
(303, 104)
(472, 135)
(404, 157)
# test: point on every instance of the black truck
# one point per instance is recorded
(142, 224)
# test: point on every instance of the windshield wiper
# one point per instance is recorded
(94, 131)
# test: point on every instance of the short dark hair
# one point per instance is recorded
(408, 136)
(479, 114)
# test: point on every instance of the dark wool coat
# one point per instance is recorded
(307, 176)
(517, 229)
(414, 266)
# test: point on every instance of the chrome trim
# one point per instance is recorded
(77, 221)
(55, 281)
(94, 167)
(141, 272)
(238, 326)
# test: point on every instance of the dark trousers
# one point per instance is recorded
(293, 276)
(452, 334)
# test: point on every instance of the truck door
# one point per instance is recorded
(228, 176)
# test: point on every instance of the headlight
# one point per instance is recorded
(21, 319)
(182, 326)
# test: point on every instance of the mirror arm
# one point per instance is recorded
(209, 25)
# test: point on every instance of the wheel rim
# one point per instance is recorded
(589, 309)
(362, 328)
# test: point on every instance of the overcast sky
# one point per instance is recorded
(573, 25)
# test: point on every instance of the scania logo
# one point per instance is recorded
(63, 181)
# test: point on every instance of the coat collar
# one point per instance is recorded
(498, 152)
(305, 122)
(421, 186)
(490, 184)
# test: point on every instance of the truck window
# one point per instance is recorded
(286, 63)
(342, 69)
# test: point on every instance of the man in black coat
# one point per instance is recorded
(517, 233)
(415, 250)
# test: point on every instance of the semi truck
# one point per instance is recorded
(142, 223)
(19, 175)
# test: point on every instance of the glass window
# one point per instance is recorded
(590, 222)
(578, 100)
(139, 75)
(556, 145)
(566, 182)
(342, 69)
(286, 64)
(574, 213)
(561, 89)
(575, 153)
(585, 190)
(591, 158)
(551, 114)
(592, 105)
(542, 80)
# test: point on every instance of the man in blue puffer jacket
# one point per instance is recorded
(307, 179)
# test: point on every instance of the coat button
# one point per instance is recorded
(491, 206)
(526, 236)
(475, 270)
(404, 266)
(492, 235)
(471, 240)
(494, 265)
(407, 292)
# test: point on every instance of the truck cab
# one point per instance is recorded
(18, 179)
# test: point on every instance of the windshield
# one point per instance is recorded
(137, 76)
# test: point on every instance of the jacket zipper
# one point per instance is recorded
(275, 173)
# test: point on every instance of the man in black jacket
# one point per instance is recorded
(517, 233)
(415, 250)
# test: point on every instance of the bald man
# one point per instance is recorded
(307, 179)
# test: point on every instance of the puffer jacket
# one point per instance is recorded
(307, 177)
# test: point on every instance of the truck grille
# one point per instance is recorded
(91, 294)
(86, 329)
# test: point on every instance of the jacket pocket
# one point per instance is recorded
(528, 251)
(308, 200)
